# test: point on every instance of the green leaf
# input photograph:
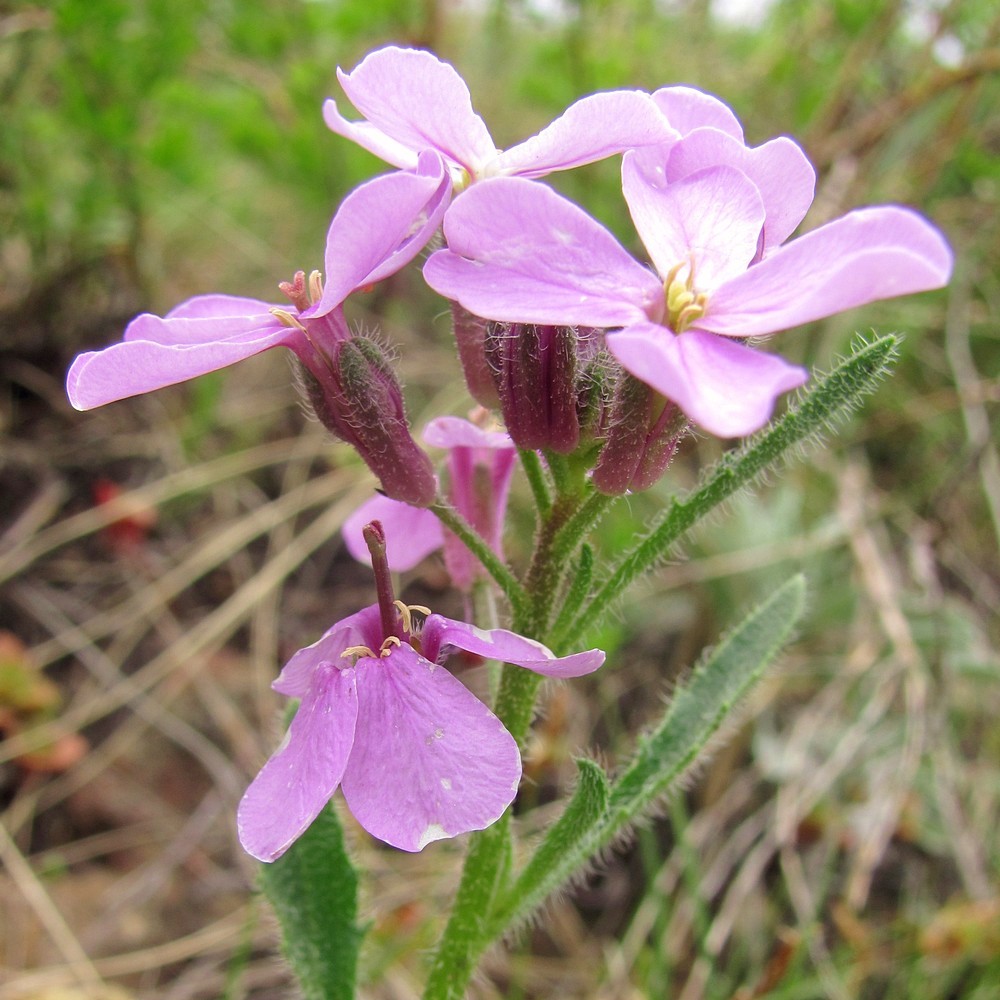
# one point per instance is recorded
(547, 869)
(698, 710)
(313, 888)
(695, 715)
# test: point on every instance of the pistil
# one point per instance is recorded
(374, 535)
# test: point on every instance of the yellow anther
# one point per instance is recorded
(684, 304)
(287, 319)
(687, 316)
(358, 651)
(679, 298)
(315, 287)
(387, 645)
(406, 613)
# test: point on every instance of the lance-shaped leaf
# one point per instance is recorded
(826, 402)
(699, 709)
(697, 712)
(547, 871)
(314, 888)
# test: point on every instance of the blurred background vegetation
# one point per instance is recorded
(160, 558)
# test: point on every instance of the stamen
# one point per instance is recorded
(287, 319)
(388, 643)
(406, 613)
(359, 651)
(684, 303)
(691, 275)
(315, 287)
(672, 274)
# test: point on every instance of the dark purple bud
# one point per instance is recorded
(541, 378)
(641, 436)
(470, 338)
(355, 394)
(535, 373)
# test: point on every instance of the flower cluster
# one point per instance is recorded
(591, 359)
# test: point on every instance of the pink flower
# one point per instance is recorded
(371, 236)
(418, 756)
(480, 464)
(351, 387)
(412, 101)
(520, 253)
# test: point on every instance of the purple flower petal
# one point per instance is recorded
(363, 628)
(429, 759)
(421, 103)
(726, 388)
(508, 647)
(480, 466)
(780, 170)
(191, 324)
(593, 128)
(217, 307)
(136, 366)
(380, 227)
(367, 136)
(870, 254)
(687, 108)
(454, 432)
(296, 783)
(713, 217)
(411, 533)
(520, 252)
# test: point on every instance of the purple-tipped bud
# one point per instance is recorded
(355, 394)
(542, 380)
(534, 368)
(470, 338)
(642, 434)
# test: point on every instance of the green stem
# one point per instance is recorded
(535, 474)
(545, 571)
(467, 933)
(569, 536)
(469, 929)
(480, 548)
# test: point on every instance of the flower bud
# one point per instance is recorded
(641, 436)
(540, 376)
(470, 338)
(355, 394)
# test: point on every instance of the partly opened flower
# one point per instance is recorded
(479, 467)
(521, 253)
(412, 101)
(418, 756)
(350, 386)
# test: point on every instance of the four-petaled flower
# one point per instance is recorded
(412, 101)
(518, 252)
(418, 756)
(371, 236)
(380, 226)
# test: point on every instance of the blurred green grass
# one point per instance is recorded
(845, 844)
